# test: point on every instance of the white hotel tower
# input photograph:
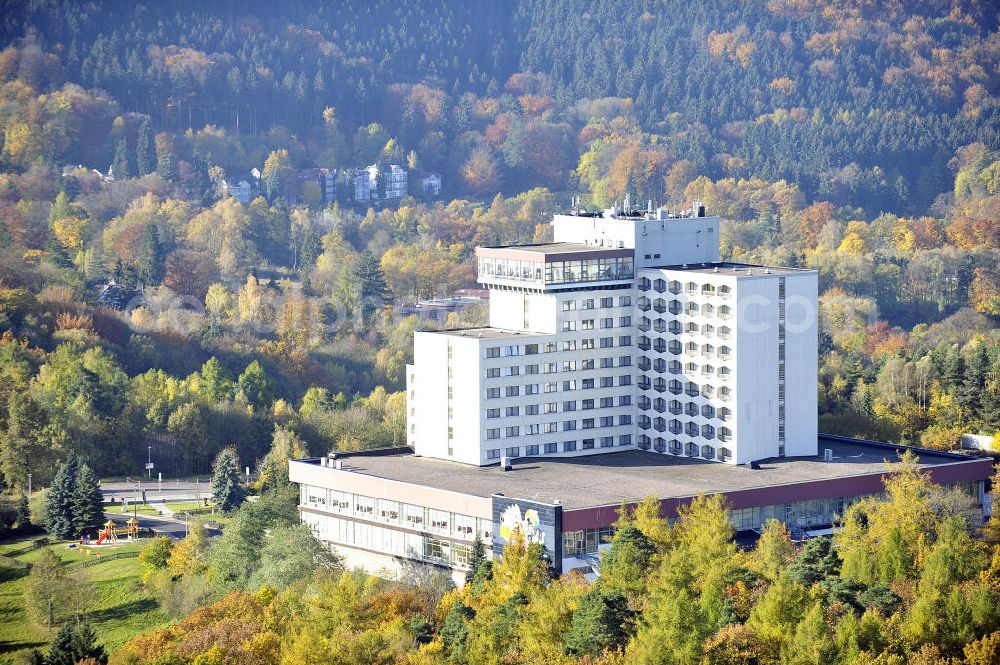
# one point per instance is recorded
(626, 332)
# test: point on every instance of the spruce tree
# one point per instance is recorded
(143, 156)
(119, 166)
(599, 623)
(23, 519)
(373, 291)
(88, 502)
(74, 643)
(58, 517)
(476, 558)
(227, 492)
(150, 257)
(972, 392)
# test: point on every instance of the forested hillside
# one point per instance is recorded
(146, 307)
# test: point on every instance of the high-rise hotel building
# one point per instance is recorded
(625, 335)
(625, 332)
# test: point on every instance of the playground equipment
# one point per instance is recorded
(110, 532)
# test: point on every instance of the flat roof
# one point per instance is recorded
(735, 269)
(549, 251)
(485, 333)
(608, 479)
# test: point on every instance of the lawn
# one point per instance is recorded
(120, 606)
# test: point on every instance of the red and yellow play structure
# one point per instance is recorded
(110, 532)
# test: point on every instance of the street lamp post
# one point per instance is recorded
(149, 462)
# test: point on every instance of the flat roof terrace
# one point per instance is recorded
(609, 479)
(552, 251)
(736, 269)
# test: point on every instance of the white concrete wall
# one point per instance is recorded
(801, 359)
(528, 312)
(756, 396)
(656, 242)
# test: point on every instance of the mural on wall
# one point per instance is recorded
(529, 525)
(537, 522)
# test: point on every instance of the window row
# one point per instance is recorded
(555, 407)
(592, 324)
(493, 433)
(691, 429)
(552, 347)
(688, 449)
(558, 386)
(564, 366)
(593, 303)
(689, 388)
(677, 408)
(393, 512)
(675, 307)
(691, 288)
(564, 447)
(660, 365)
(675, 327)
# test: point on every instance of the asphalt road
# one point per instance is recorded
(168, 490)
(161, 526)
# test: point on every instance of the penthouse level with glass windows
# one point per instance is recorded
(554, 266)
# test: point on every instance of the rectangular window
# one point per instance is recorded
(551, 407)
(493, 352)
(625, 301)
(624, 420)
(588, 423)
(569, 406)
(511, 371)
(625, 440)
(608, 322)
(568, 385)
(588, 444)
(569, 425)
(531, 410)
(569, 345)
(569, 366)
(492, 393)
(514, 451)
(530, 349)
(624, 361)
(531, 389)
(607, 421)
(607, 441)
(532, 451)
(588, 384)
(607, 382)
(512, 350)
(551, 387)
(532, 429)
(493, 433)
(550, 347)
(587, 404)
(568, 326)
(551, 448)
(513, 411)
(492, 372)
(513, 431)
(492, 413)
(569, 446)
(512, 391)
(587, 324)
(607, 362)
(569, 305)
(625, 380)
(607, 402)
(625, 322)
(551, 427)
(625, 400)
(531, 369)
(493, 454)
(587, 364)
(588, 303)
(607, 342)
(625, 340)
(607, 302)
(588, 344)
(551, 368)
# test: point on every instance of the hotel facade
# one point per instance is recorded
(621, 360)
